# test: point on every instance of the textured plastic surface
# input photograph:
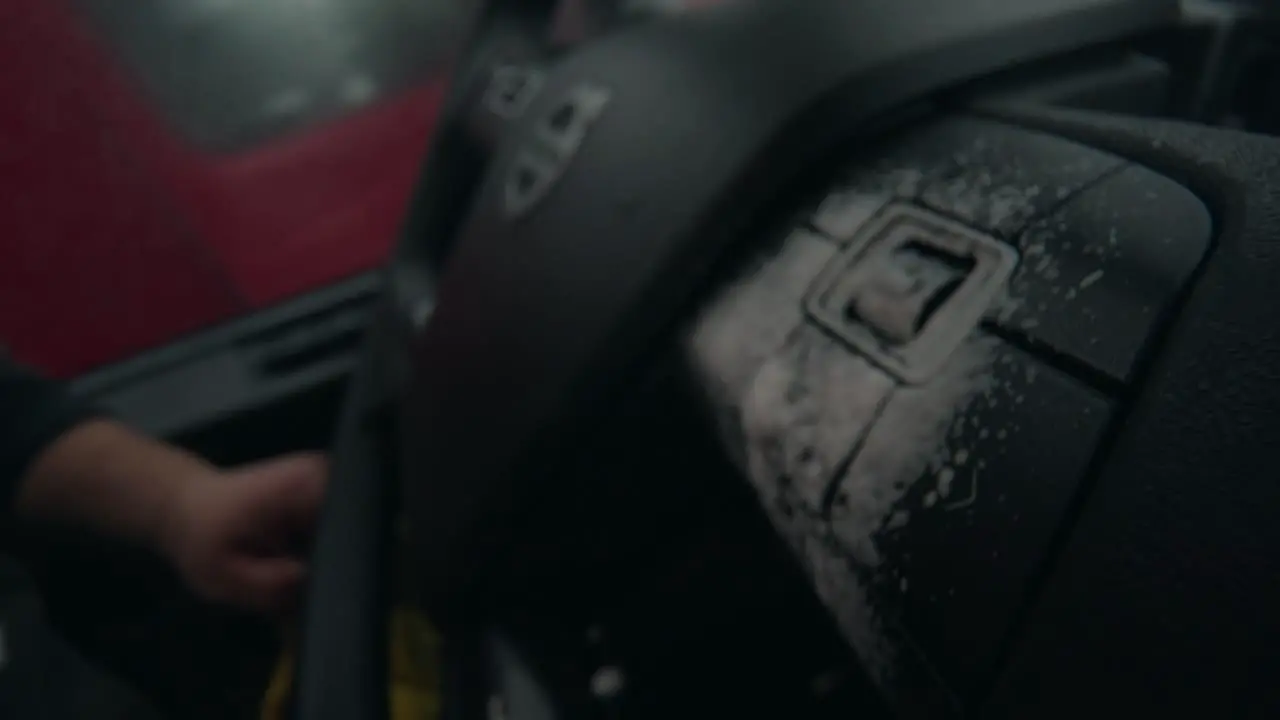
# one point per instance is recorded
(1132, 84)
(1163, 601)
(621, 243)
(967, 541)
(924, 515)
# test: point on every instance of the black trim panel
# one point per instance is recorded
(247, 363)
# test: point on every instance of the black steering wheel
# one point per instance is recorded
(764, 357)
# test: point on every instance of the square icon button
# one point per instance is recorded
(909, 289)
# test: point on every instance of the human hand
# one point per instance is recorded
(238, 536)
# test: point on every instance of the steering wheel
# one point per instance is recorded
(756, 356)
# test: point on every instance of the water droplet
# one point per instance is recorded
(1090, 279)
(898, 520)
(607, 682)
(945, 478)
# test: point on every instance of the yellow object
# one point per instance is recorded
(415, 672)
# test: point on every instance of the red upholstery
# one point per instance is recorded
(115, 236)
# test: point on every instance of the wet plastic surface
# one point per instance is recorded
(923, 506)
(920, 511)
(1101, 274)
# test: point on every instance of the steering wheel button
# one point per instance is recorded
(844, 212)
(565, 127)
(511, 89)
(805, 409)
(909, 289)
(953, 499)
(1000, 178)
(1100, 275)
(528, 180)
(890, 304)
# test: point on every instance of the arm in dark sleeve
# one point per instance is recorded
(34, 411)
(41, 675)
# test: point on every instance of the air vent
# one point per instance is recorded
(308, 340)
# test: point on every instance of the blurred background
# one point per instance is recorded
(195, 196)
(170, 164)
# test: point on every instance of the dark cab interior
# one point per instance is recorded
(274, 381)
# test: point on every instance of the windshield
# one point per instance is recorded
(235, 73)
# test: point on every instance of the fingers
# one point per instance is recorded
(267, 586)
(302, 469)
(292, 490)
(292, 487)
(248, 539)
(304, 466)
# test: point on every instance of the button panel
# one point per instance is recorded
(908, 435)
(920, 511)
(511, 88)
(543, 158)
(998, 178)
